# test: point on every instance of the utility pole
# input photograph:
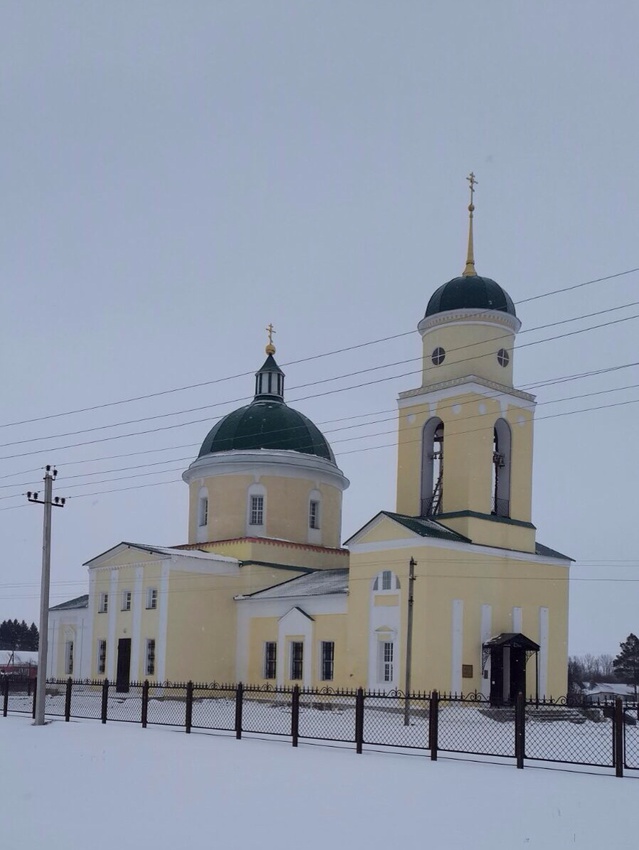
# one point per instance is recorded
(409, 639)
(48, 502)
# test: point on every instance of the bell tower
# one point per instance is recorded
(466, 434)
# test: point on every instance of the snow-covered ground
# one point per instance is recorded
(70, 785)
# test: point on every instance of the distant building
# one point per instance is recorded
(19, 663)
(263, 591)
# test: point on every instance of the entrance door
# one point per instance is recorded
(496, 675)
(517, 673)
(124, 665)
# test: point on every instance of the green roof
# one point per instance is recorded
(266, 424)
(78, 602)
(472, 292)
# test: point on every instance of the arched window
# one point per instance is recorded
(386, 655)
(432, 467)
(386, 580)
(501, 468)
(202, 515)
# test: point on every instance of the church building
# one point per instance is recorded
(264, 591)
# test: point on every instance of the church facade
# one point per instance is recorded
(263, 591)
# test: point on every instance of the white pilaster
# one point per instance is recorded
(518, 620)
(457, 643)
(543, 651)
(113, 615)
(137, 602)
(163, 622)
(484, 636)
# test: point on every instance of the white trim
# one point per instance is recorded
(163, 623)
(456, 645)
(293, 624)
(243, 640)
(333, 603)
(260, 462)
(544, 616)
(136, 629)
(112, 614)
(484, 636)
(463, 386)
(256, 491)
(438, 543)
(465, 315)
(518, 620)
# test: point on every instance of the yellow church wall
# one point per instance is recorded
(444, 575)
(471, 349)
(286, 508)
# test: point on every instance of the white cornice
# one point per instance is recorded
(470, 384)
(469, 315)
(276, 462)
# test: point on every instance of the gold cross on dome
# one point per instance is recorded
(270, 331)
(473, 183)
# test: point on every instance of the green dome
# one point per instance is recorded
(266, 423)
(471, 292)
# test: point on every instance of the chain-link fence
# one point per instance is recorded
(566, 732)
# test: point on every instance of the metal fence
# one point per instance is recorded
(567, 731)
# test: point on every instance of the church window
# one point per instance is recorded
(126, 600)
(203, 511)
(103, 606)
(68, 657)
(257, 510)
(314, 514)
(270, 659)
(501, 468)
(386, 660)
(151, 598)
(386, 580)
(438, 356)
(297, 659)
(102, 649)
(432, 489)
(149, 663)
(503, 357)
(327, 661)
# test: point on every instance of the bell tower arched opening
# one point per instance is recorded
(502, 441)
(432, 484)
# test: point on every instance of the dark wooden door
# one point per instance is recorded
(517, 673)
(124, 665)
(497, 675)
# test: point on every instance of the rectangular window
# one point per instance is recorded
(68, 658)
(126, 600)
(297, 659)
(270, 660)
(203, 516)
(314, 514)
(101, 656)
(103, 606)
(328, 660)
(387, 577)
(386, 652)
(151, 597)
(149, 665)
(257, 510)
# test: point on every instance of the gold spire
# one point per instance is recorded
(469, 271)
(270, 348)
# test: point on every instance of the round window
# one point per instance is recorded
(438, 356)
(503, 357)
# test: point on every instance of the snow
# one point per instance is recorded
(76, 784)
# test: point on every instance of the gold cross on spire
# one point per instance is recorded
(469, 270)
(270, 330)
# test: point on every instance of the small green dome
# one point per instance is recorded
(470, 292)
(266, 423)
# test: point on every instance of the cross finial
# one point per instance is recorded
(469, 270)
(270, 330)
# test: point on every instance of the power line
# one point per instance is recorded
(294, 362)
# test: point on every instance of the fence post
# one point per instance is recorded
(145, 702)
(189, 707)
(35, 693)
(520, 730)
(5, 693)
(239, 693)
(67, 700)
(295, 715)
(433, 725)
(618, 737)
(105, 698)
(359, 720)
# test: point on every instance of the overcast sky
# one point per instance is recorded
(176, 175)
